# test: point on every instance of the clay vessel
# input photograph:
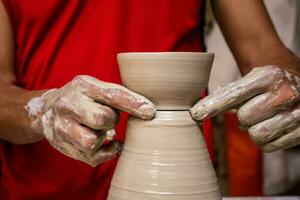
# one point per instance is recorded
(165, 158)
(171, 80)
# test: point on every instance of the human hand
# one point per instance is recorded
(79, 117)
(268, 104)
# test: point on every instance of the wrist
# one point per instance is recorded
(277, 55)
(36, 107)
(34, 129)
(289, 62)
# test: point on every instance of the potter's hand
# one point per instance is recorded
(268, 100)
(78, 118)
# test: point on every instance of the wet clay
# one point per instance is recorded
(166, 157)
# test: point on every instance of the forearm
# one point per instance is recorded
(251, 36)
(267, 98)
(14, 120)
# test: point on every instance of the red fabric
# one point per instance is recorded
(58, 39)
(244, 160)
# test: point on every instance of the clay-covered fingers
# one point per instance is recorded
(106, 152)
(267, 98)
(78, 118)
(82, 138)
(268, 104)
(288, 140)
(258, 81)
(87, 112)
(278, 128)
(115, 96)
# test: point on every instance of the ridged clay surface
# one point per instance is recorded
(165, 158)
(171, 80)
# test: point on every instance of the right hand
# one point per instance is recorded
(79, 117)
(268, 105)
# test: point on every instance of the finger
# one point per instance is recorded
(267, 105)
(107, 152)
(284, 142)
(110, 134)
(82, 138)
(275, 127)
(87, 112)
(117, 96)
(256, 82)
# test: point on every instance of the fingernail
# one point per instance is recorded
(147, 111)
(198, 113)
(110, 134)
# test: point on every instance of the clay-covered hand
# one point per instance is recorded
(268, 104)
(78, 119)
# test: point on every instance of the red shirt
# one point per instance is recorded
(58, 39)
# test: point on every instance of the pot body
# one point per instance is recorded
(165, 158)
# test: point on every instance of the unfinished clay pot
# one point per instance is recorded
(165, 158)
(171, 80)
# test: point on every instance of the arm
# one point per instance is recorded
(251, 36)
(76, 119)
(14, 121)
(267, 97)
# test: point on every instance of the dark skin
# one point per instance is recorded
(14, 121)
(245, 24)
(250, 34)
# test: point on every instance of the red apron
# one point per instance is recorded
(58, 39)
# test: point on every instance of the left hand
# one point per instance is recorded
(268, 104)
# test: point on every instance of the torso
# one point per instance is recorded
(56, 40)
